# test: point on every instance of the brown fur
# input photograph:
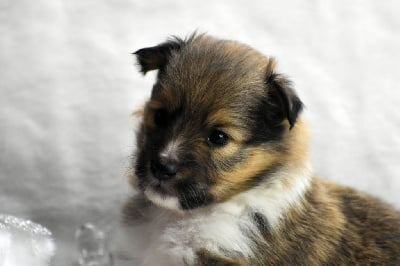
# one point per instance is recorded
(336, 226)
(205, 84)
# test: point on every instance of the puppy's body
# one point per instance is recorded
(223, 176)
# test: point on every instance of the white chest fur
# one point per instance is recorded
(168, 238)
(172, 240)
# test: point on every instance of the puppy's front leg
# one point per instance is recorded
(207, 258)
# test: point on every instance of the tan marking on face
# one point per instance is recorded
(155, 104)
(138, 112)
(149, 111)
(230, 183)
(236, 135)
(132, 178)
(297, 140)
(293, 156)
(221, 153)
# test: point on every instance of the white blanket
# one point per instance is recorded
(68, 87)
(24, 243)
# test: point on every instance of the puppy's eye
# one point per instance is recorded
(218, 138)
(160, 117)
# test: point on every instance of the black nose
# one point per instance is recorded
(164, 171)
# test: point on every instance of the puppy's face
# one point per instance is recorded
(216, 122)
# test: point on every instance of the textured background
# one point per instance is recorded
(68, 87)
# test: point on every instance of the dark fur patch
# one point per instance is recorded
(156, 57)
(192, 197)
(262, 223)
(289, 100)
(278, 104)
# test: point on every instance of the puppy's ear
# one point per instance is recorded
(282, 96)
(156, 57)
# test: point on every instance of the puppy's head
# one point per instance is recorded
(217, 123)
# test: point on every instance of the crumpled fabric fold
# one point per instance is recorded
(24, 243)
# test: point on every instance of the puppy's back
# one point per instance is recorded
(336, 225)
(371, 233)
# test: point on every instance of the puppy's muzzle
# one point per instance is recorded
(164, 170)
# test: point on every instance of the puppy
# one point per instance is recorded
(222, 170)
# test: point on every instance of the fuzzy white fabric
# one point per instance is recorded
(24, 243)
(68, 87)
